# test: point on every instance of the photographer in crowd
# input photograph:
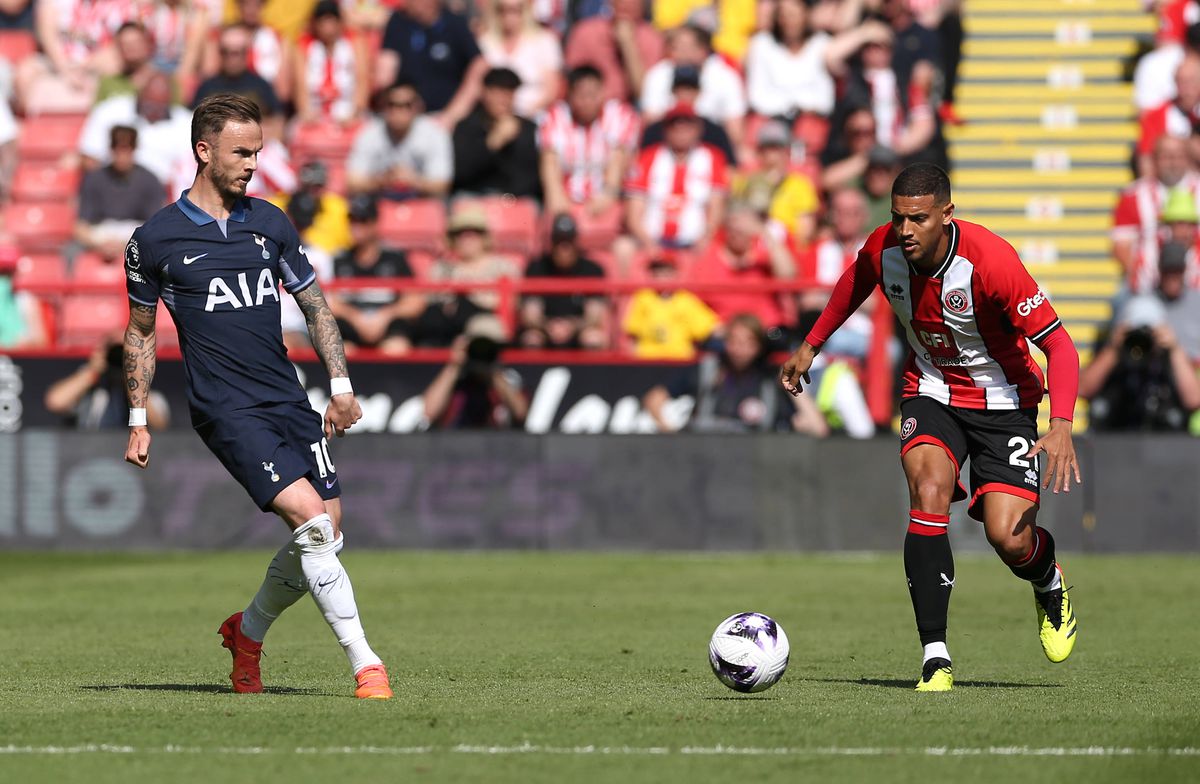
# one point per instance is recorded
(93, 397)
(1142, 377)
(474, 391)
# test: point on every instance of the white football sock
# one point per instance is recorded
(331, 590)
(1054, 584)
(936, 650)
(280, 589)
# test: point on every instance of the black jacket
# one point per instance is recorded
(511, 169)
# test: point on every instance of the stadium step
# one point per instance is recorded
(1030, 133)
(980, 91)
(1006, 49)
(1065, 9)
(1058, 69)
(1078, 27)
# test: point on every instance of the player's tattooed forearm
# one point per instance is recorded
(323, 330)
(140, 353)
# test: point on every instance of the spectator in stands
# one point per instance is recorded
(329, 226)
(790, 66)
(474, 391)
(787, 198)
(836, 250)
(913, 44)
(268, 52)
(373, 318)
(743, 253)
(586, 145)
(845, 159)
(469, 260)
(436, 50)
(685, 89)
(1141, 377)
(74, 37)
(22, 315)
(234, 74)
(117, 198)
(1143, 207)
(134, 51)
(329, 69)
(1153, 79)
(16, 15)
(512, 39)
(495, 151)
(164, 130)
(564, 320)
(667, 324)
(179, 30)
(1176, 117)
(93, 397)
(9, 133)
(722, 96)
(677, 189)
(401, 153)
(883, 164)
(622, 47)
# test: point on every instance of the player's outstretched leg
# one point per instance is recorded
(929, 566)
(331, 590)
(1057, 624)
(244, 632)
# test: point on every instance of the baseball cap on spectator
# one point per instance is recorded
(1145, 310)
(504, 78)
(1173, 257)
(302, 209)
(314, 175)
(773, 133)
(681, 111)
(686, 76)
(326, 8)
(563, 229)
(363, 208)
(882, 157)
(1180, 207)
(470, 219)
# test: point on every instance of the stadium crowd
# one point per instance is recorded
(684, 145)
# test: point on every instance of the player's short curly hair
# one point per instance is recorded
(923, 179)
(211, 115)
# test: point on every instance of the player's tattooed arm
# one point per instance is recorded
(140, 348)
(323, 330)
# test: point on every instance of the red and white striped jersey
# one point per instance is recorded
(1165, 120)
(1136, 219)
(584, 150)
(266, 53)
(330, 75)
(968, 322)
(678, 190)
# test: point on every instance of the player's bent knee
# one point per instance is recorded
(931, 495)
(298, 503)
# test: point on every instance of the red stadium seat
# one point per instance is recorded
(322, 140)
(413, 225)
(420, 262)
(99, 275)
(40, 227)
(597, 232)
(49, 137)
(813, 130)
(40, 274)
(513, 224)
(16, 45)
(44, 181)
(87, 318)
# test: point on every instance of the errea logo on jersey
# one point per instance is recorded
(1031, 304)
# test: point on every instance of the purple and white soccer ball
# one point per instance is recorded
(748, 652)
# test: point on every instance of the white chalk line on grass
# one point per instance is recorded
(533, 748)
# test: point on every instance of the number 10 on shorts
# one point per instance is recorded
(320, 452)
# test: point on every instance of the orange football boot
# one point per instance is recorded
(372, 683)
(246, 677)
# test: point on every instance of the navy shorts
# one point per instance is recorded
(268, 447)
(996, 442)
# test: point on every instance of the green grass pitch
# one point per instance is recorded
(572, 667)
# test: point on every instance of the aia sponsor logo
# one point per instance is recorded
(956, 301)
(1030, 304)
(908, 427)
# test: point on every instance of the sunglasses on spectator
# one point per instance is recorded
(864, 131)
(401, 104)
(232, 52)
(510, 9)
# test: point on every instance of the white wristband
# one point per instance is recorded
(340, 386)
(137, 417)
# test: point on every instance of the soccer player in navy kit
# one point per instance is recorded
(971, 389)
(216, 259)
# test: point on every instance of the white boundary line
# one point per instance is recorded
(624, 751)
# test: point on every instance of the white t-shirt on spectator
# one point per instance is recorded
(722, 95)
(780, 82)
(8, 124)
(426, 149)
(1154, 77)
(159, 146)
(537, 54)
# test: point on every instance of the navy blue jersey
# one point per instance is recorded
(220, 281)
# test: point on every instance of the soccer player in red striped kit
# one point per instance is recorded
(971, 389)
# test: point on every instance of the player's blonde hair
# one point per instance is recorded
(210, 117)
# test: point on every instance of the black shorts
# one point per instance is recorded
(266, 448)
(996, 442)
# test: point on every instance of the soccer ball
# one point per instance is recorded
(748, 652)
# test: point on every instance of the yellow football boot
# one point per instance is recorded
(936, 676)
(1057, 625)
